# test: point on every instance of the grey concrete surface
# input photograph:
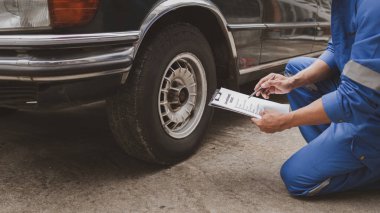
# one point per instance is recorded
(68, 162)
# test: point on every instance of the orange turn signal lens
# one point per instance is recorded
(65, 13)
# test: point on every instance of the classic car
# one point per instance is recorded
(155, 62)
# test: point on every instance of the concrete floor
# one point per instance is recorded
(68, 162)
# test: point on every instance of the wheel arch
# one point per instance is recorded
(208, 18)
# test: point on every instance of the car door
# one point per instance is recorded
(291, 28)
(323, 34)
(241, 15)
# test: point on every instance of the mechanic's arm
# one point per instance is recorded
(318, 71)
(313, 114)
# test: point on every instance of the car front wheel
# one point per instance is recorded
(161, 114)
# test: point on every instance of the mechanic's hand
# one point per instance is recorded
(274, 84)
(272, 122)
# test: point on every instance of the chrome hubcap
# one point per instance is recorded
(182, 96)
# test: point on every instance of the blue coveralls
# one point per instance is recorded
(346, 154)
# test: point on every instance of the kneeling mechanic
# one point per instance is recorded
(335, 101)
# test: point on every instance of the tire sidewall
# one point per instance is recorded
(167, 47)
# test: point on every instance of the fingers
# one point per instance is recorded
(266, 88)
(266, 93)
(254, 120)
(259, 123)
(260, 92)
(271, 83)
(266, 78)
(268, 123)
(270, 90)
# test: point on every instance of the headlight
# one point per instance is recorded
(24, 14)
(42, 14)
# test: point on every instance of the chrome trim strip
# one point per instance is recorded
(274, 64)
(235, 27)
(362, 75)
(64, 78)
(12, 41)
(170, 5)
(101, 58)
(292, 25)
(324, 24)
(261, 26)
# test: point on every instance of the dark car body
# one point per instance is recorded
(66, 66)
(156, 63)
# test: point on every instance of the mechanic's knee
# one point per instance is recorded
(295, 65)
(290, 175)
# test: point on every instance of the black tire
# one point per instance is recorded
(134, 112)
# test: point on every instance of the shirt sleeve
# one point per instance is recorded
(332, 106)
(360, 81)
(328, 56)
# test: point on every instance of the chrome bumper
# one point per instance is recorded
(49, 58)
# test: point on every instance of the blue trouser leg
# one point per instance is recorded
(304, 96)
(327, 163)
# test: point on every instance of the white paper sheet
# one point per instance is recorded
(241, 103)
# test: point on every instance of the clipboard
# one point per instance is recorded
(243, 104)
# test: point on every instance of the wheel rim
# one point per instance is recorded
(182, 96)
